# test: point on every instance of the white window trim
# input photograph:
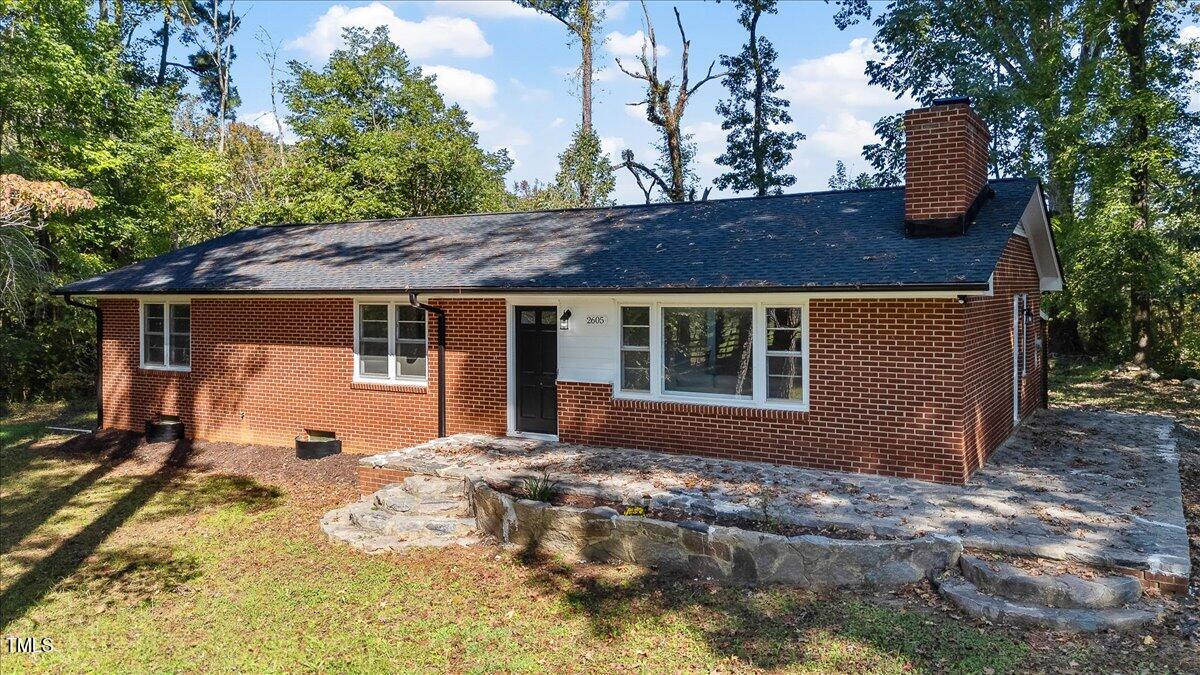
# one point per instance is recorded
(392, 377)
(166, 303)
(759, 350)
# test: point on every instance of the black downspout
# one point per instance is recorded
(94, 309)
(441, 343)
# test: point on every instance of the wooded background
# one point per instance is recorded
(107, 160)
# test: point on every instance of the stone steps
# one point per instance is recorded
(1001, 593)
(421, 511)
(1049, 590)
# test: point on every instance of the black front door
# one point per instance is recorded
(537, 369)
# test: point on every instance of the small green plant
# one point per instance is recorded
(634, 511)
(766, 505)
(539, 488)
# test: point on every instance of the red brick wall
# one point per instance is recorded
(262, 370)
(988, 412)
(886, 379)
(945, 161)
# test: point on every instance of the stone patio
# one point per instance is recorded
(1095, 487)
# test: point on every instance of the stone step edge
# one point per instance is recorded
(1065, 591)
(968, 598)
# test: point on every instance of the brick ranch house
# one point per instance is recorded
(894, 331)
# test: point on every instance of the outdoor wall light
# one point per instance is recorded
(564, 321)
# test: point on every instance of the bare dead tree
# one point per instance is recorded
(270, 56)
(647, 178)
(665, 103)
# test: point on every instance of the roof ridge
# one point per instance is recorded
(578, 209)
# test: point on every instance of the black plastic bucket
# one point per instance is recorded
(159, 431)
(316, 448)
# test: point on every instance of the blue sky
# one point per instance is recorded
(510, 69)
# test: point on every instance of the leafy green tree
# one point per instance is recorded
(841, 179)
(1092, 95)
(757, 149)
(377, 140)
(70, 112)
(585, 176)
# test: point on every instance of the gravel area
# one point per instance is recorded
(1096, 487)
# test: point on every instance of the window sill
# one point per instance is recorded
(686, 403)
(413, 387)
(170, 369)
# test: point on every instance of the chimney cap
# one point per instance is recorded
(952, 100)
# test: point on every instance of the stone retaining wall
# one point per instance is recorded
(723, 553)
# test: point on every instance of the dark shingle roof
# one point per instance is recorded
(826, 240)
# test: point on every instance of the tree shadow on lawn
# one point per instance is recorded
(777, 627)
(30, 509)
(180, 495)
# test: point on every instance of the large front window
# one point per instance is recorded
(708, 350)
(754, 355)
(167, 335)
(390, 342)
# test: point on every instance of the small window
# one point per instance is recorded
(166, 335)
(410, 342)
(785, 353)
(708, 350)
(635, 348)
(390, 342)
(373, 340)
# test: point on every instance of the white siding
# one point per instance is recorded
(588, 351)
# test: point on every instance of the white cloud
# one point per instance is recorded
(489, 9)
(836, 107)
(465, 87)
(841, 136)
(612, 146)
(558, 122)
(1189, 33)
(629, 45)
(432, 35)
(265, 120)
(616, 10)
(839, 80)
(637, 112)
(605, 74)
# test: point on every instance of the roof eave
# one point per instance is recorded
(966, 287)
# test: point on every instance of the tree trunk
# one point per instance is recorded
(760, 174)
(165, 40)
(586, 26)
(1134, 16)
(219, 56)
(675, 152)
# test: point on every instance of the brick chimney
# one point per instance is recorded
(945, 175)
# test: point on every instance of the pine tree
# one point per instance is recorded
(757, 150)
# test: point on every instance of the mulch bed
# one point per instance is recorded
(333, 477)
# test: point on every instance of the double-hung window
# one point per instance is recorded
(785, 354)
(390, 343)
(167, 335)
(635, 348)
(753, 355)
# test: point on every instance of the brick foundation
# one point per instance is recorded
(372, 479)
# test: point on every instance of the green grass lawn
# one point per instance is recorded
(133, 566)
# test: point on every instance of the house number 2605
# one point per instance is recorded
(596, 320)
